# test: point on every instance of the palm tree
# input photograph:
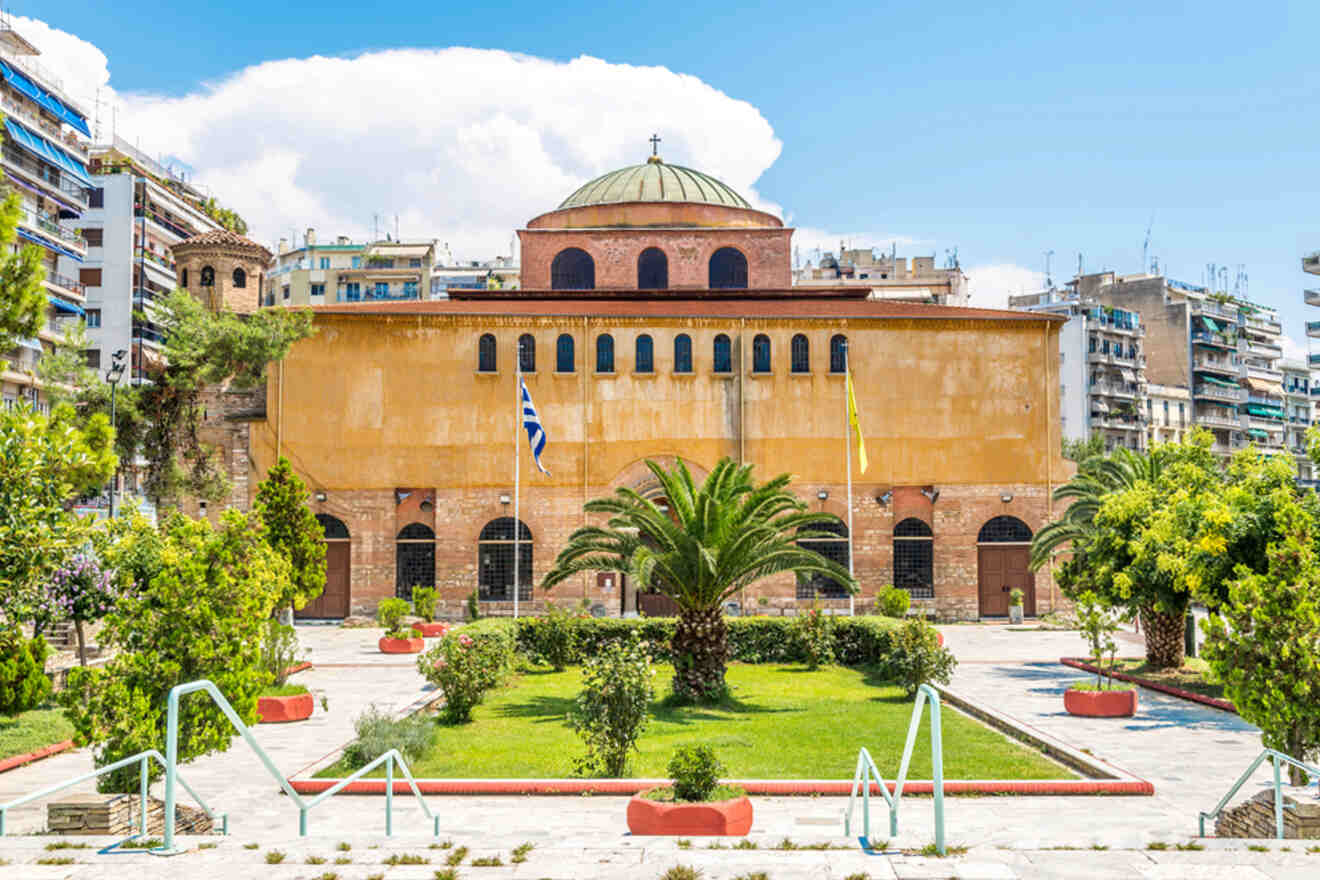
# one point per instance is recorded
(713, 541)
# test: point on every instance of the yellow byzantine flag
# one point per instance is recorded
(852, 420)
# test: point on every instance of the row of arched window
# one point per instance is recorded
(574, 269)
(414, 560)
(644, 353)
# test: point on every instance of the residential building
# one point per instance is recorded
(501, 273)
(655, 320)
(1297, 402)
(1102, 367)
(1168, 414)
(348, 271)
(888, 276)
(139, 211)
(44, 158)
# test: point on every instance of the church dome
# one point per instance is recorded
(654, 181)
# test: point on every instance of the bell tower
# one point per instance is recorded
(222, 269)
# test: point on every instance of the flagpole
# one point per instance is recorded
(517, 471)
(847, 454)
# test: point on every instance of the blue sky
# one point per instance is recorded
(1005, 130)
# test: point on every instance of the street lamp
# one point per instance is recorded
(113, 375)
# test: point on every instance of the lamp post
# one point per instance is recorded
(113, 375)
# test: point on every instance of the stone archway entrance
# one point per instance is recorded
(1003, 554)
(334, 599)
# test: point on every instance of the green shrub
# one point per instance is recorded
(464, 668)
(695, 771)
(23, 681)
(814, 634)
(378, 732)
(424, 599)
(390, 614)
(279, 651)
(1015, 597)
(473, 606)
(893, 602)
(552, 639)
(610, 710)
(918, 657)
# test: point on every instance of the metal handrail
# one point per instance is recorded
(1275, 757)
(172, 754)
(141, 758)
(867, 773)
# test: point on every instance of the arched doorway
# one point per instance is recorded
(414, 559)
(334, 599)
(1003, 551)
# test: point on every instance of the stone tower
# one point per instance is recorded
(222, 269)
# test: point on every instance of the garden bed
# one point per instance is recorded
(783, 723)
(31, 735)
(1188, 682)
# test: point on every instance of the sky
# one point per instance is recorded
(1004, 131)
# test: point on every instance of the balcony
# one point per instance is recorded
(1256, 348)
(169, 226)
(1313, 329)
(1218, 421)
(66, 285)
(1265, 374)
(1205, 337)
(1312, 297)
(46, 175)
(160, 261)
(1216, 392)
(51, 228)
(1210, 307)
(1265, 325)
(1213, 365)
(1311, 263)
(1114, 389)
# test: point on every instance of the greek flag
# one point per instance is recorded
(532, 422)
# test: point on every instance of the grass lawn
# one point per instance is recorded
(782, 723)
(1194, 675)
(32, 730)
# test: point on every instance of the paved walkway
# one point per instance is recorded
(1191, 754)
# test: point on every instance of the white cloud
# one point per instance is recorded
(81, 68)
(808, 240)
(989, 286)
(1292, 349)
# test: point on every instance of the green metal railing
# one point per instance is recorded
(1277, 759)
(172, 752)
(867, 774)
(141, 759)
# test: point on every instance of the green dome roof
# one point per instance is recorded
(654, 181)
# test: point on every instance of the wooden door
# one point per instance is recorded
(1000, 569)
(334, 600)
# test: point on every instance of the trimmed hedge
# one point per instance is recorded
(858, 641)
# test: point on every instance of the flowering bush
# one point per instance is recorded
(463, 668)
(81, 591)
(611, 709)
(814, 632)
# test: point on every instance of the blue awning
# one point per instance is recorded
(66, 307)
(44, 98)
(47, 243)
(39, 146)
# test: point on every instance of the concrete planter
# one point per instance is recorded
(388, 645)
(279, 710)
(731, 818)
(1015, 614)
(1101, 704)
(431, 630)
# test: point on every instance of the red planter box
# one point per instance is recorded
(431, 630)
(717, 818)
(1101, 704)
(388, 645)
(276, 710)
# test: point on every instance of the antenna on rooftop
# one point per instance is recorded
(1145, 245)
(1049, 282)
(1079, 263)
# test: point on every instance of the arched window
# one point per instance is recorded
(495, 569)
(914, 558)
(644, 361)
(728, 269)
(414, 559)
(838, 353)
(486, 362)
(1004, 530)
(332, 527)
(183, 277)
(527, 353)
(834, 548)
(760, 353)
(573, 269)
(240, 278)
(652, 269)
(604, 353)
(800, 354)
(565, 359)
(682, 353)
(723, 354)
(208, 276)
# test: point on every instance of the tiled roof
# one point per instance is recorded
(221, 237)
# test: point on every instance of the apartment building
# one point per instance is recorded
(501, 273)
(44, 157)
(347, 271)
(139, 210)
(1297, 390)
(889, 276)
(1102, 368)
(1168, 413)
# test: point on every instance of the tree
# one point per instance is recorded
(194, 601)
(714, 541)
(293, 531)
(45, 462)
(1262, 642)
(1080, 450)
(81, 591)
(22, 297)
